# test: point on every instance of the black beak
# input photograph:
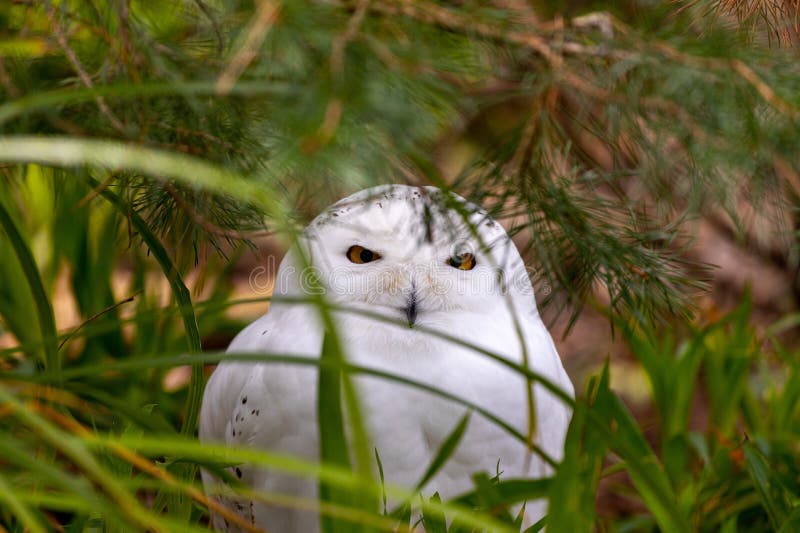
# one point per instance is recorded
(411, 308)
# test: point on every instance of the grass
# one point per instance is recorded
(91, 439)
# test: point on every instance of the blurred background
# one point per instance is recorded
(155, 158)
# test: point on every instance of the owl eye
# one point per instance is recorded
(465, 261)
(360, 255)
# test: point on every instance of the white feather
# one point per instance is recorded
(273, 406)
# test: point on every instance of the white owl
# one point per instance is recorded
(404, 252)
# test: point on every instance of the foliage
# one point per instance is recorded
(137, 137)
(623, 123)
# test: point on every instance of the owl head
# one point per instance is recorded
(412, 253)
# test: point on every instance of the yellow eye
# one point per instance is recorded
(465, 261)
(360, 255)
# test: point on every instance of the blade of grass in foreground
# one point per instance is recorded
(211, 357)
(403, 511)
(193, 450)
(47, 323)
(69, 151)
(445, 451)
(73, 448)
(25, 515)
(333, 443)
(334, 352)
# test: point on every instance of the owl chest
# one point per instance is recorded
(434, 362)
(408, 424)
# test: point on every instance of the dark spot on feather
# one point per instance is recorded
(244, 400)
(428, 220)
(264, 332)
(238, 472)
(258, 411)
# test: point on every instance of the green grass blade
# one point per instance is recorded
(433, 520)
(17, 453)
(192, 450)
(511, 491)
(332, 435)
(445, 451)
(69, 151)
(769, 488)
(383, 481)
(792, 523)
(333, 348)
(619, 429)
(24, 514)
(47, 323)
(572, 492)
(75, 449)
(538, 526)
(215, 357)
(403, 511)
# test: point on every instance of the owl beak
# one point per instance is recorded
(411, 308)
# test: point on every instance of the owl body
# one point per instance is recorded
(414, 284)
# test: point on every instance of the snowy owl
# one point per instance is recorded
(435, 263)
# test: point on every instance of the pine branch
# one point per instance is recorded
(623, 127)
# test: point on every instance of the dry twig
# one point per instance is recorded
(72, 57)
(265, 16)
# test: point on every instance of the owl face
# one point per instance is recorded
(406, 252)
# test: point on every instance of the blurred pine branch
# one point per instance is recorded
(594, 134)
